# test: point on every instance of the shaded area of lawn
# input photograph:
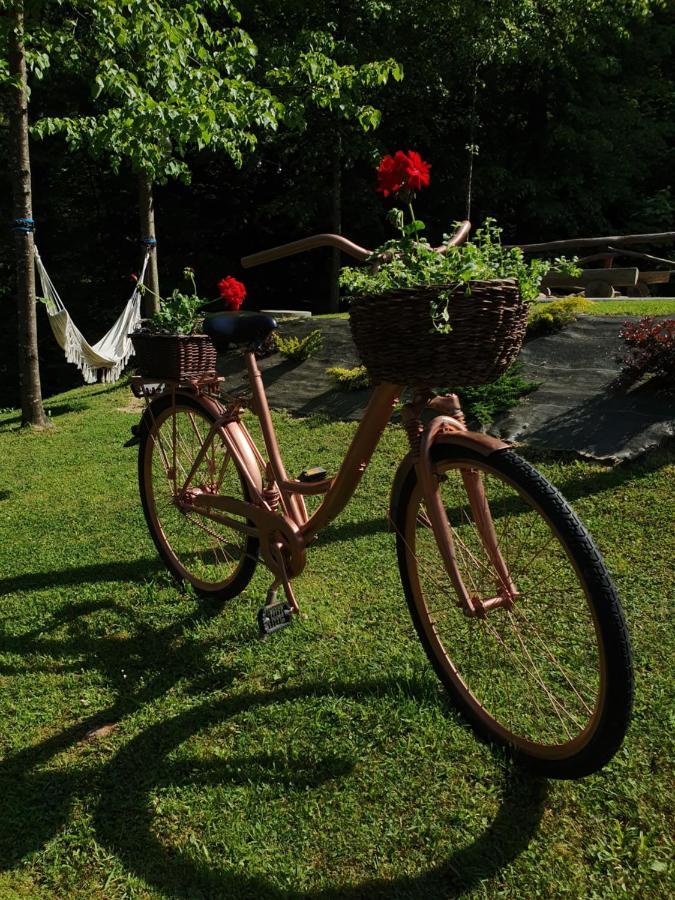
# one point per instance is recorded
(322, 763)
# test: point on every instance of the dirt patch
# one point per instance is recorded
(135, 405)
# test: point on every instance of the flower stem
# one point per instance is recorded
(412, 220)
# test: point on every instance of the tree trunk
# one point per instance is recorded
(147, 221)
(32, 410)
(335, 226)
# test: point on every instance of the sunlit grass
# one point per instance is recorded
(322, 762)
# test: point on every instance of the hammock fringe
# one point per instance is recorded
(107, 358)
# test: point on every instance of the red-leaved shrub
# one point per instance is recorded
(651, 348)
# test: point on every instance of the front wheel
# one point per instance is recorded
(549, 675)
(217, 560)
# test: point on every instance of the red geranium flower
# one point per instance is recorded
(233, 292)
(403, 171)
(418, 172)
(391, 173)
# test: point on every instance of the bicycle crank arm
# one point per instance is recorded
(269, 527)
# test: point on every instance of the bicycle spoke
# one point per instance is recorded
(534, 677)
(529, 666)
(210, 551)
(554, 660)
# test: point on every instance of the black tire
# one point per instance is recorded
(558, 631)
(217, 580)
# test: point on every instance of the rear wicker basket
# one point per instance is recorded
(397, 342)
(174, 357)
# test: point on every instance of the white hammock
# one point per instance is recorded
(108, 356)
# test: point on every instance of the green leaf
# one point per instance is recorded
(414, 227)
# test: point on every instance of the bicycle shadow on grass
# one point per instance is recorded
(136, 570)
(145, 764)
(41, 793)
(37, 790)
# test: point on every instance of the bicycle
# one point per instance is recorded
(509, 596)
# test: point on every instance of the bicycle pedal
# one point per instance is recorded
(274, 616)
(314, 473)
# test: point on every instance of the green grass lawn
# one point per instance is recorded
(322, 763)
(651, 307)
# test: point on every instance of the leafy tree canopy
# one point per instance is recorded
(165, 80)
(308, 73)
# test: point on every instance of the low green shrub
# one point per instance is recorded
(545, 318)
(355, 379)
(487, 401)
(299, 349)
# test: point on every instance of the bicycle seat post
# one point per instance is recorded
(293, 504)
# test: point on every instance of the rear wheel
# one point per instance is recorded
(551, 676)
(217, 560)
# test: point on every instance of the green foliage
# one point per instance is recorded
(355, 379)
(412, 263)
(308, 74)
(178, 313)
(299, 349)
(487, 401)
(547, 317)
(165, 82)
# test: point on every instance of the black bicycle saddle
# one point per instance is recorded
(238, 329)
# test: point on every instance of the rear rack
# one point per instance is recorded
(146, 388)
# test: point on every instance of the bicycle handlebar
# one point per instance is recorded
(340, 243)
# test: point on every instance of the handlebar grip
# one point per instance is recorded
(459, 236)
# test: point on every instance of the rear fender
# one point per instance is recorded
(235, 439)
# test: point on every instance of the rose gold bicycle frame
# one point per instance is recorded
(277, 512)
(278, 516)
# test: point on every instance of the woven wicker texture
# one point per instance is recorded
(174, 357)
(397, 342)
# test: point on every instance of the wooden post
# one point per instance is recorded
(146, 208)
(32, 410)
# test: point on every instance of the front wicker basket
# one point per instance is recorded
(397, 342)
(173, 357)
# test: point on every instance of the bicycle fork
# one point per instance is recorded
(449, 424)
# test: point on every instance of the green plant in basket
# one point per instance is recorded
(183, 313)
(409, 261)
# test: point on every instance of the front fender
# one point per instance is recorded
(483, 444)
